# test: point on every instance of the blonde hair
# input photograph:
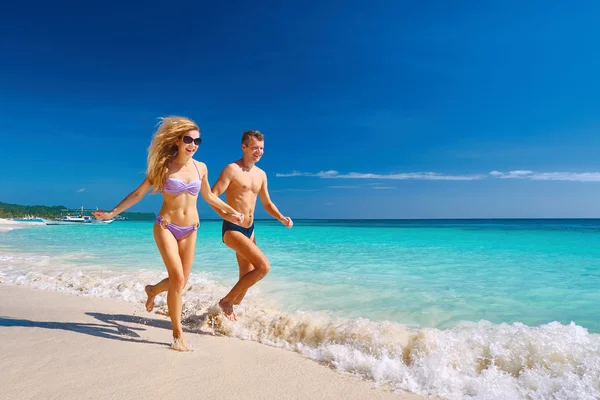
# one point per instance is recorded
(163, 148)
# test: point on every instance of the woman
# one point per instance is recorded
(173, 172)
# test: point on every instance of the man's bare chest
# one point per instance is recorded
(247, 183)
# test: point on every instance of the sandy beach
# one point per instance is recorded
(63, 346)
(7, 224)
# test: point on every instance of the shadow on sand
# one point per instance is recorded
(112, 326)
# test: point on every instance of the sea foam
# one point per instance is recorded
(471, 360)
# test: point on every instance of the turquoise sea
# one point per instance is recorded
(455, 308)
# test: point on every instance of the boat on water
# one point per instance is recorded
(76, 217)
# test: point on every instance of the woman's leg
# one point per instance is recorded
(169, 250)
(154, 290)
(187, 247)
(186, 252)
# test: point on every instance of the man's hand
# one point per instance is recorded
(287, 221)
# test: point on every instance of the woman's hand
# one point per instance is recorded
(103, 214)
(237, 218)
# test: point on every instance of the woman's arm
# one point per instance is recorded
(127, 202)
(215, 202)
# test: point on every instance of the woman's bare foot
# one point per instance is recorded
(150, 301)
(179, 345)
(227, 308)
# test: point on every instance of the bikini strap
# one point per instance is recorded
(196, 168)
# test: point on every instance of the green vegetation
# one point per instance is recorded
(19, 211)
(16, 211)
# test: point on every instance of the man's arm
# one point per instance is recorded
(270, 207)
(221, 186)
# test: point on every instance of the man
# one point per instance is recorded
(242, 181)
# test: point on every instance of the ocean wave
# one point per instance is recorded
(472, 360)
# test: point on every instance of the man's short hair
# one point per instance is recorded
(252, 133)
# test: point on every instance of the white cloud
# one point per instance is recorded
(332, 174)
(293, 173)
(294, 190)
(327, 174)
(434, 176)
(364, 186)
(549, 176)
(521, 173)
(321, 174)
(518, 174)
(80, 190)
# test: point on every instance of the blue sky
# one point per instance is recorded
(378, 109)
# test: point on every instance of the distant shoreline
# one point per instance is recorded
(8, 210)
(430, 219)
(18, 211)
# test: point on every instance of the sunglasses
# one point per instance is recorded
(189, 139)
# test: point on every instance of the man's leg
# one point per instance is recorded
(245, 267)
(248, 250)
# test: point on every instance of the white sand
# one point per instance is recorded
(7, 224)
(60, 346)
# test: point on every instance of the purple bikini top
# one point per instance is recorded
(177, 186)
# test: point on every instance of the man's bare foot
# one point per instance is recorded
(179, 345)
(238, 300)
(227, 308)
(150, 301)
